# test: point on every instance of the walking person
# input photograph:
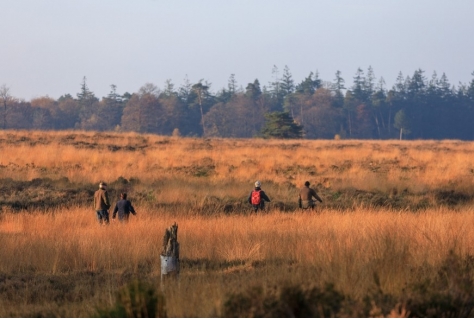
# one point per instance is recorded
(102, 204)
(123, 207)
(305, 197)
(258, 197)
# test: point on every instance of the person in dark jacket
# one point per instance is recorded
(305, 197)
(123, 207)
(257, 197)
(102, 204)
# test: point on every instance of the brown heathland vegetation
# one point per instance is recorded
(392, 210)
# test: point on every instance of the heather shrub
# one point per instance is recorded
(449, 293)
(286, 301)
(136, 300)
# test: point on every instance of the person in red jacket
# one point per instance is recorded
(258, 197)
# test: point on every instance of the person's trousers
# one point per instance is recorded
(102, 216)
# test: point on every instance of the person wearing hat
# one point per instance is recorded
(305, 197)
(102, 203)
(257, 197)
(123, 207)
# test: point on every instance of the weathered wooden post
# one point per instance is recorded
(170, 253)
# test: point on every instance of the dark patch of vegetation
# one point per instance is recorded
(46, 193)
(451, 197)
(137, 299)
(406, 200)
(286, 301)
(208, 264)
(443, 290)
(62, 291)
(42, 194)
(449, 293)
(219, 265)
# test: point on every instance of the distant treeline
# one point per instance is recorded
(415, 107)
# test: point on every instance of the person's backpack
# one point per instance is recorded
(256, 197)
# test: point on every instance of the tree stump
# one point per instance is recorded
(169, 256)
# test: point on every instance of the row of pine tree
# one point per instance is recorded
(416, 107)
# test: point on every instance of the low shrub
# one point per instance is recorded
(450, 293)
(287, 301)
(136, 300)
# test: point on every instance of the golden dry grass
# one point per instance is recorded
(223, 253)
(89, 157)
(345, 248)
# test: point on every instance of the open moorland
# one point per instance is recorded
(394, 236)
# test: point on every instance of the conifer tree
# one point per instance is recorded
(281, 125)
(87, 101)
(287, 85)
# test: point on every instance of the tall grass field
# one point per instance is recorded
(394, 236)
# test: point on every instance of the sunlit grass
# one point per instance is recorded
(78, 241)
(224, 252)
(365, 165)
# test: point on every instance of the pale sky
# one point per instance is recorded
(48, 46)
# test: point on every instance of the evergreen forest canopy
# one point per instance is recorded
(415, 107)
